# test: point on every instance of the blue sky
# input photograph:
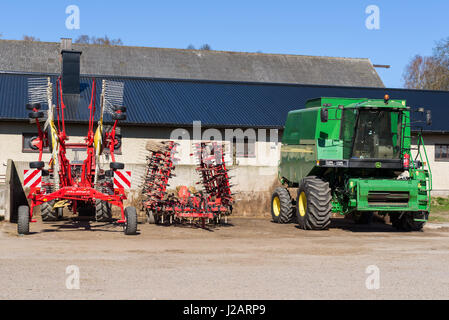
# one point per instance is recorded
(328, 28)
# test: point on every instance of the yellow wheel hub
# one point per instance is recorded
(302, 205)
(276, 206)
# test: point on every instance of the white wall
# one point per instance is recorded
(258, 170)
(440, 169)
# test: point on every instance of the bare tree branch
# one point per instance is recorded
(30, 38)
(430, 73)
(205, 47)
(85, 39)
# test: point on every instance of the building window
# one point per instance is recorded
(244, 148)
(29, 141)
(442, 152)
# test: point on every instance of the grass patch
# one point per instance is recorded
(439, 209)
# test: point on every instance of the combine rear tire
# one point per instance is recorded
(313, 204)
(406, 221)
(102, 211)
(130, 226)
(281, 206)
(47, 211)
(23, 220)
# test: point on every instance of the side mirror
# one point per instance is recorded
(429, 117)
(324, 114)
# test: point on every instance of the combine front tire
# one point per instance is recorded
(130, 226)
(23, 220)
(407, 221)
(281, 206)
(47, 211)
(313, 204)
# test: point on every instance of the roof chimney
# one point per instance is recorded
(66, 44)
(70, 71)
(70, 74)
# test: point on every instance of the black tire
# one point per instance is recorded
(151, 217)
(109, 173)
(314, 208)
(130, 226)
(37, 164)
(31, 145)
(281, 206)
(119, 142)
(47, 211)
(117, 165)
(60, 212)
(405, 221)
(32, 106)
(103, 211)
(120, 108)
(23, 220)
(119, 116)
(36, 115)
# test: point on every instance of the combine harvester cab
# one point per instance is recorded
(352, 157)
(81, 186)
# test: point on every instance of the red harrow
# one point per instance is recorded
(212, 203)
(79, 185)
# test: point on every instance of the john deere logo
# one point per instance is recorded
(378, 165)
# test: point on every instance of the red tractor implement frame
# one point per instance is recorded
(77, 184)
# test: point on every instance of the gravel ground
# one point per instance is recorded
(247, 259)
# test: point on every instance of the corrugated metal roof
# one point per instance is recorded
(215, 103)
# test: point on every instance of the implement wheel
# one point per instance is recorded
(281, 206)
(23, 220)
(102, 211)
(130, 226)
(405, 221)
(313, 204)
(47, 211)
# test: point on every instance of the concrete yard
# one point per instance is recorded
(247, 259)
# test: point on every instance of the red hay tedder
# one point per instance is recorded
(81, 186)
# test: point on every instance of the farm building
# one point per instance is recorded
(170, 92)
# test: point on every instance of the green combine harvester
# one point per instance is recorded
(352, 157)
